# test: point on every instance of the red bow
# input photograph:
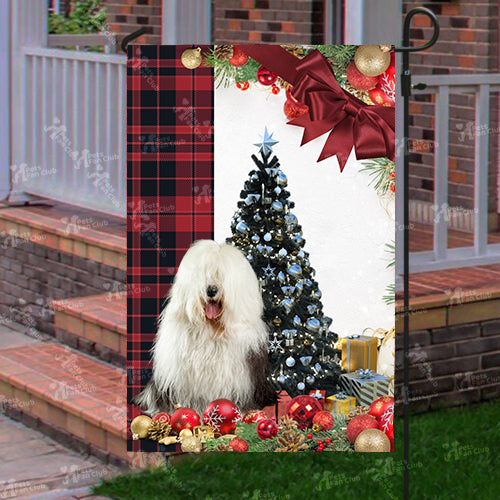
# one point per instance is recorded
(370, 129)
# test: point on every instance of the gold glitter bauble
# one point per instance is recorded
(372, 440)
(191, 58)
(140, 426)
(370, 60)
(185, 433)
(192, 444)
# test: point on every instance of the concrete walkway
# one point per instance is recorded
(33, 465)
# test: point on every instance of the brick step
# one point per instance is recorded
(96, 324)
(70, 393)
(72, 230)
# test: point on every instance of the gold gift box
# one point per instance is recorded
(359, 351)
(343, 405)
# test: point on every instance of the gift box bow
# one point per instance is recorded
(351, 122)
(365, 374)
(317, 395)
(340, 395)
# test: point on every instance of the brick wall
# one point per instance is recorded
(468, 43)
(451, 366)
(127, 16)
(268, 21)
(31, 276)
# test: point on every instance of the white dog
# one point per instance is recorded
(211, 341)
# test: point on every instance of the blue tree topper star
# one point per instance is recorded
(266, 146)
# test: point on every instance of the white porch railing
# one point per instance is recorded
(68, 118)
(442, 257)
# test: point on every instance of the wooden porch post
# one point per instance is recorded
(369, 22)
(186, 21)
(28, 27)
(4, 100)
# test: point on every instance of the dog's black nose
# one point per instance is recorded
(212, 291)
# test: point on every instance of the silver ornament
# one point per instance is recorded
(242, 227)
(311, 309)
(301, 386)
(282, 180)
(306, 360)
(290, 334)
(294, 270)
(313, 325)
(282, 252)
(277, 205)
(290, 362)
(268, 237)
(287, 304)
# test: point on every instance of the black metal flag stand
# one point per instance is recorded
(406, 87)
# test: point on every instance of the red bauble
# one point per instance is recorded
(378, 96)
(386, 424)
(359, 424)
(222, 415)
(324, 419)
(266, 77)
(302, 409)
(242, 85)
(293, 108)
(387, 81)
(239, 58)
(164, 418)
(392, 66)
(379, 406)
(275, 90)
(253, 416)
(358, 80)
(238, 444)
(267, 428)
(184, 418)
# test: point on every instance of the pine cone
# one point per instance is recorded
(223, 447)
(283, 84)
(359, 410)
(223, 52)
(158, 430)
(287, 424)
(291, 442)
(293, 49)
(362, 95)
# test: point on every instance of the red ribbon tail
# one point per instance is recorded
(339, 142)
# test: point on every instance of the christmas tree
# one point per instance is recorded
(302, 356)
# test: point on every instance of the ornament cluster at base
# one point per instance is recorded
(306, 426)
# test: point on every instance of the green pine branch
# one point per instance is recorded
(390, 248)
(390, 294)
(380, 170)
(248, 432)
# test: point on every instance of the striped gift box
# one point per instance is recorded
(365, 385)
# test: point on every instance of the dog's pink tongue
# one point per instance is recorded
(212, 310)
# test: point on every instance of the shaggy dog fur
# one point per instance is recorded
(211, 341)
